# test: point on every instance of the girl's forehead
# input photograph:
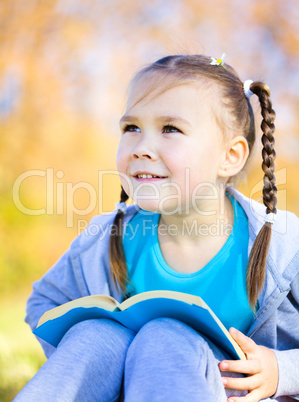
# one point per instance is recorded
(143, 95)
(182, 104)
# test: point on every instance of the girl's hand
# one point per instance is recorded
(261, 367)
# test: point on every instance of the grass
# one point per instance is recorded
(20, 353)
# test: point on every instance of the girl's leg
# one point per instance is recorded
(168, 360)
(88, 365)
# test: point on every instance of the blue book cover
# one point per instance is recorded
(137, 311)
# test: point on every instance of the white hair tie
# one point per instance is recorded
(270, 218)
(121, 206)
(246, 87)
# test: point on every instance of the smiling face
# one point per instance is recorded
(173, 136)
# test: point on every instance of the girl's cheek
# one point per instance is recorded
(121, 160)
(123, 155)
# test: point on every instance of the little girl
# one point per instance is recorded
(187, 133)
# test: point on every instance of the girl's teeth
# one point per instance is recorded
(146, 176)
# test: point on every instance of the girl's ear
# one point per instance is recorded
(234, 157)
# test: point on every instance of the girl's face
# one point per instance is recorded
(174, 138)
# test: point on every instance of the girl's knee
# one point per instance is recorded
(98, 330)
(169, 329)
(167, 335)
(164, 344)
(163, 327)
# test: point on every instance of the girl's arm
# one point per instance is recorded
(59, 285)
(263, 366)
(81, 271)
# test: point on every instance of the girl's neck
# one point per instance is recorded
(215, 220)
(188, 243)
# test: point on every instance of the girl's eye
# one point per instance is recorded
(171, 129)
(130, 128)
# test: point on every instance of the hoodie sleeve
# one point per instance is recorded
(288, 366)
(61, 284)
(83, 270)
(288, 360)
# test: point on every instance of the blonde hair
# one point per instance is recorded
(234, 114)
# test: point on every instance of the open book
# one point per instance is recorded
(136, 311)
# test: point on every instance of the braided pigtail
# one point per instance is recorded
(257, 260)
(116, 250)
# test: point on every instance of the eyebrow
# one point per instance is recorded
(160, 119)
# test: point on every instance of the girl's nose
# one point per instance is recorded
(144, 150)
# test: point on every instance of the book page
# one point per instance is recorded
(103, 301)
(168, 294)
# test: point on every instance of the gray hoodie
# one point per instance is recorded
(84, 270)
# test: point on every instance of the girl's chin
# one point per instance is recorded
(151, 206)
(158, 207)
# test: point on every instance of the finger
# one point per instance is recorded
(253, 396)
(240, 366)
(246, 344)
(242, 383)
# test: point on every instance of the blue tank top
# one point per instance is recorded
(221, 283)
